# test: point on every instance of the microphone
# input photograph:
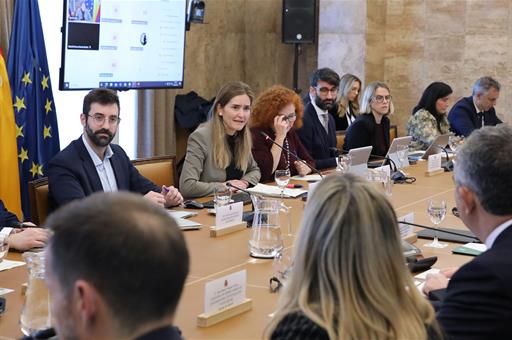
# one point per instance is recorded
(475, 239)
(448, 165)
(267, 137)
(246, 216)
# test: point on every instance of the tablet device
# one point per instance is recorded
(440, 142)
(392, 153)
(359, 159)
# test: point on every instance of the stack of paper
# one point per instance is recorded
(180, 217)
(275, 191)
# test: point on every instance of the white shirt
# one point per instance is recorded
(103, 167)
(322, 116)
(478, 111)
(489, 241)
(350, 117)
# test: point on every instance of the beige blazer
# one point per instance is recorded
(200, 176)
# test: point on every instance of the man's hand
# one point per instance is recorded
(449, 271)
(28, 238)
(172, 196)
(155, 197)
(435, 282)
(239, 183)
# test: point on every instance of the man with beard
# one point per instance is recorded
(318, 132)
(91, 163)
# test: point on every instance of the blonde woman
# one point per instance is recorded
(371, 128)
(349, 280)
(220, 149)
(348, 102)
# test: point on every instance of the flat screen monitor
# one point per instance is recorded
(122, 44)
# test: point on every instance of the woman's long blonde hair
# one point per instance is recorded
(349, 275)
(346, 84)
(243, 143)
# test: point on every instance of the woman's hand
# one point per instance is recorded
(280, 127)
(302, 168)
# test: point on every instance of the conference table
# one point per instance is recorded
(213, 258)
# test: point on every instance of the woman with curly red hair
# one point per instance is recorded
(278, 112)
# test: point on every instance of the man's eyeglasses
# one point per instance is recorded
(100, 119)
(380, 99)
(289, 117)
(325, 90)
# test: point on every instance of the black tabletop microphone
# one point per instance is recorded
(475, 239)
(267, 137)
(448, 165)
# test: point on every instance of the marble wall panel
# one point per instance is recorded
(349, 53)
(342, 16)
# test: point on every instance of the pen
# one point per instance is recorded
(294, 186)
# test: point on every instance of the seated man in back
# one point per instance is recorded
(115, 269)
(91, 163)
(476, 303)
(318, 131)
(473, 112)
(20, 237)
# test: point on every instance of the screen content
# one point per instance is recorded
(123, 44)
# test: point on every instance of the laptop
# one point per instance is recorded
(434, 148)
(392, 153)
(359, 160)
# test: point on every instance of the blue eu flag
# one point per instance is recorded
(37, 134)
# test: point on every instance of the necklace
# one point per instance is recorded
(287, 156)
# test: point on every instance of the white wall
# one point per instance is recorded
(68, 104)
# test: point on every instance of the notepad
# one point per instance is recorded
(471, 249)
(275, 191)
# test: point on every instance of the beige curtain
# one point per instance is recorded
(6, 10)
(156, 127)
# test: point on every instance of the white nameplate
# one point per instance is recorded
(434, 162)
(405, 229)
(311, 188)
(225, 292)
(399, 165)
(385, 168)
(229, 214)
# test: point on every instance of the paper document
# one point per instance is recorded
(177, 214)
(8, 264)
(275, 191)
(188, 224)
(309, 178)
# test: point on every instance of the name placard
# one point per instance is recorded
(229, 214)
(385, 168)
(405, 229)
(434, 162)
(225, 292)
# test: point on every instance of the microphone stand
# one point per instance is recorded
(267, 137)
(448, 165)
(440, 230)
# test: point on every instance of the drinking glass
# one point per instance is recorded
(4, 246)
(221, 197)
(437, 211)
(402, 151)
(282, 178)
(283, 264)
(343, 163)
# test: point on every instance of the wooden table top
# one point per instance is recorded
(212, 258)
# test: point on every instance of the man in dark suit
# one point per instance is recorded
(477, 303)
(318, 131)
(91, 163)
(115, 269)
(20, 236)
(473, 112)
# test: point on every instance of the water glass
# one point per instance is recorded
(402, 152)
(282, 178)
(221, 197)
(343, 163)
(436, 211)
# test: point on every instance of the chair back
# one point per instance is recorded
(38, 196)
(161, 170)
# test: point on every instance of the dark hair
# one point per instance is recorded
(128, 248)
(429, 98)
(325, 74)
(101, 96)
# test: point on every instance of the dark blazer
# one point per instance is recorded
(464, 119)
(362, 133)
(316, 140)
(478, 300)
(163, 333)
(72, 174)
(7, 218)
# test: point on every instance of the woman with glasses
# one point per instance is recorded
(337, 288)
(348, 101)
(371, 128)
(219, 150)
(277, 113)
(429, 118)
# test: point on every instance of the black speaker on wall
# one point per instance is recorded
(299, 21)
